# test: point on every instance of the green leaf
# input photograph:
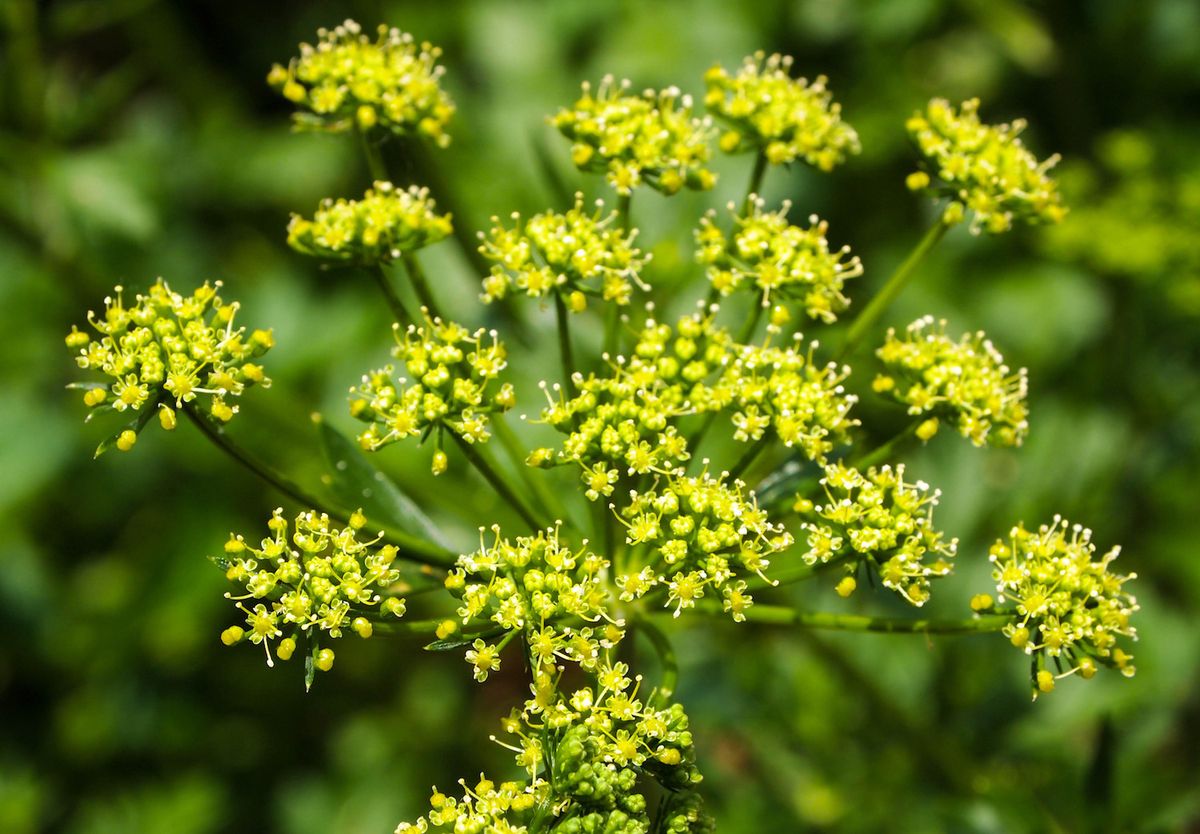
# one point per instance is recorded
(357, 483)
(221, 562)
(310, 666)
(449, 645)
(86, 386)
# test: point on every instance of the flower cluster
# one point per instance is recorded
(931, 373)
(622, 421)
(1070, 607)
(696, 534)
(876, 520)
(386, 223)
(650, 139)
(984, 169)
(168, 348)
(556, 597)
(318, 579)
(452, 370)
(778, 116)
(771, 257)
(786, 390)
(506, 808)
(576, 254)
(349, 80)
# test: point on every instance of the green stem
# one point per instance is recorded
(623, 211)
(564, 338)
(881, 453)
(394, 302)
(751, 323)
(489, 473)
(782, 615)
(697, 437)
(756, 180)
(799, 574)
(753, 452)
(895, 284)
(374, 158)
(667, 660)
(412, 547)
(421, 284)
(512, 446)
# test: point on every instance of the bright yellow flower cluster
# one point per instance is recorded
(556, 598)
(786, 390)
(877, 521)
(766, 254)
(649, 139)
(967, 379)
(318, 579)
(577, 254)
(697, 534)
(506, 808)
(168, 348)
(1070, 608)
(781, 117)
(452, 370)
(623, 421)
(349, 80)
(386, 223)
(984, 169)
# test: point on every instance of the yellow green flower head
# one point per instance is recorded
(506, 808)
(984, 169)
(167, 350)
(784, 118)
(318, 579)
(785, 390)
(349, 80)
(878, 522)
(966, 380)
(649, 139)
(385, 224)
(766, 255)
(623, 422)
(453, 388)
(579, 254)
(554, 596)
(1070, 609)
(692, 535)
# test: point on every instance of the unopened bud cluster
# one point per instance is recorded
(877, 521)
(453, 374)
(320, 578)
(577, 254)
(649, 139)
(1071, 609)
(385, 224)
(965, 380)
(774, 259)
(349, 80)
(167, 350)
(780, 117)
(984, 169)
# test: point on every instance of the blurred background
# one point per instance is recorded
(138, 138)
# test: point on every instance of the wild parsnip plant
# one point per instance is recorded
(656, 530)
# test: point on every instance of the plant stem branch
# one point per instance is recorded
(782, 615)
(756, 180)
(489, 473)
(667, 660)
(421, 284)
(750, 454)
(394, 302)
(512, 445)
(564, 337)
(374, 158)
(895, 284)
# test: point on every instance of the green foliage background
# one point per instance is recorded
(138, 138)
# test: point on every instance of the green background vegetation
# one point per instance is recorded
(138, 138)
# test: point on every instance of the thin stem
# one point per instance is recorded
(895, 284)
(756, 179)
(489, 473)
(782, 615)
(751, 323)
(421, 284)
(623, 211)
(374, 158)
(512, 445)
(394, 302)
(412, 547)
(667, 660)
(884, 451)
(216, 434)
(800, 574)
(750, 454)
(564, 337)
(697, 437)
